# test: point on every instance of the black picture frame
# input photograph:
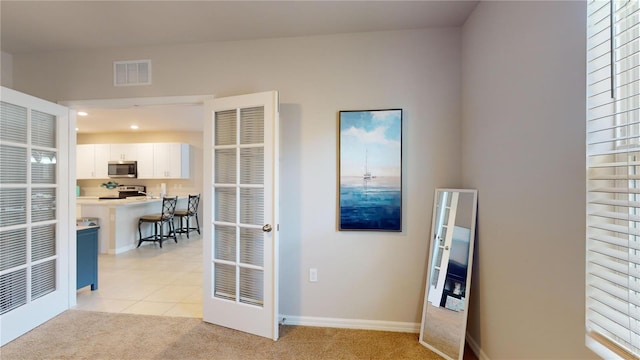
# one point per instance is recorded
(370, 170)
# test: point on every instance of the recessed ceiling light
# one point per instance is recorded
(77, 129)
(82, 113)
(134, 127)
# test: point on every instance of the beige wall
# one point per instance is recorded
(6, 66)
(180, 187)
(524, 70)
(362, 275)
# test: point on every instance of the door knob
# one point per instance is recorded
(267, 228)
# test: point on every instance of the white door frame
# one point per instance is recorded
(131, 102)
(76, 105)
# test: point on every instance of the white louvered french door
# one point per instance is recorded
(34, 212)
(446, 207)
(241, 231)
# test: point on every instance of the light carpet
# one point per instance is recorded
(77, 334)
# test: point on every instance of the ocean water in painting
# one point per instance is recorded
(370, 204)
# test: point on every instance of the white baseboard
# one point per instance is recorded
(394, 326)
(121, 249)
(476, 348)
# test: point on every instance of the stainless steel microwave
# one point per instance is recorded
(123, 169)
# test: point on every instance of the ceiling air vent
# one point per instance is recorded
(130, 73)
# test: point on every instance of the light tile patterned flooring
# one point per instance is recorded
(149, 280)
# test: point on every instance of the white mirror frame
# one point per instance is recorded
(453, 315)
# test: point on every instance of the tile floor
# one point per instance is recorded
(149, 280)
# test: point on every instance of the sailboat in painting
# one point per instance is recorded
(367, 174)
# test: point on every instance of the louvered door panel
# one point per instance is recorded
(251, 286)
(43, 242)
(251, 247)
(14, 158)
(252, 165)
(30, 248)
(252, 125)
(43, 129)
(41, 145)
(13, 207)
(13, 290)
(12, 123)
(13, 249)
(43, 279)
(239, 204)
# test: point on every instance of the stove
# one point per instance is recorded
(125, 191)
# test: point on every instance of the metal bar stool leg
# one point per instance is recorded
(159, 237)
(139, 233)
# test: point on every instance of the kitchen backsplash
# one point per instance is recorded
(174, 187)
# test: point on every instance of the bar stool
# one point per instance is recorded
(192, 210)
(158, 220)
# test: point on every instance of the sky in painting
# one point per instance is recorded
(372, 138)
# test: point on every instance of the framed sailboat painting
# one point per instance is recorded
(370, 179)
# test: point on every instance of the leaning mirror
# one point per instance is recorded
(444, 314)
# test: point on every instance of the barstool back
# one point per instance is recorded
(194, 201)
(169, 207)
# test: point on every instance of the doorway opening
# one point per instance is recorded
(146, 280)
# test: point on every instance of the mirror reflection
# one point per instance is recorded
(444, 318)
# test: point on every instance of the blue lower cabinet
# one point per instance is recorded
(87, 258)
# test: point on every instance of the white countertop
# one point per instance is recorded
(78, 228)
(132, 201)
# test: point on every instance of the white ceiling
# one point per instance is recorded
(42, 26)
(187, 117)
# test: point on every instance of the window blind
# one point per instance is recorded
(239, 205)
(613, 176)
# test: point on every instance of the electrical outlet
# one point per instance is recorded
(313, 275)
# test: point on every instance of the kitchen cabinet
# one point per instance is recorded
(155, 160)
(92, 160)
(87, 258)
(145, 161)
(170, 161)
(124, 152)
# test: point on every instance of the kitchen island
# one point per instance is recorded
(118, 219)
(87, 257)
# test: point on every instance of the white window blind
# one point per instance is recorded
(613, 178)
(239, 205)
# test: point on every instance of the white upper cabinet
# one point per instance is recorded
(85, 164)
(145, 161)
(91, 161)
(155, 160)
(124, 152)
(170, 161)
